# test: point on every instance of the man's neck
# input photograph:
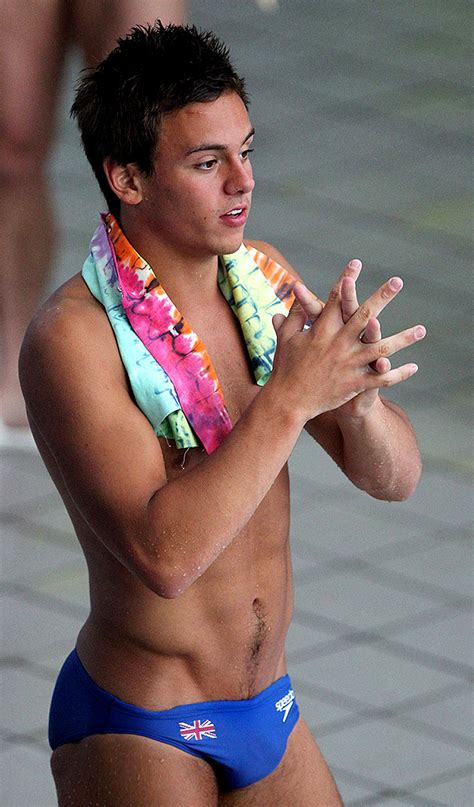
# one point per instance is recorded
(184, 277)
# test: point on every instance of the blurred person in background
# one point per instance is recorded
(34, 38)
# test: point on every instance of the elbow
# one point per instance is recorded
(158, 560)
(161, 586)
(168, 582)
(171, 588)
(400, 489)
(167, 590)
(410, 483)
(168, 586)
(406, 491)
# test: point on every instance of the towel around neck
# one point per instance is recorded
(170, 371)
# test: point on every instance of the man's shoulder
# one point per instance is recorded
(273, 253)
(69, 309)
(69, 326)
(266, 248)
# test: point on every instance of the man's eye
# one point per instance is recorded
(245, 154)
(207, 165)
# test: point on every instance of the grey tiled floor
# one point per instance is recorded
(362, 143)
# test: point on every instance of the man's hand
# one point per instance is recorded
(362, 403)
(333, 362)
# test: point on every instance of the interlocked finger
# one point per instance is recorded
(372, 334)
(392, 344)
(374, 304)
(309, 302)
(286, 327)
(376, 380)
(349, 302)
(351, 271)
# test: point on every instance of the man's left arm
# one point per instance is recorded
(370, 438)
(377, 451)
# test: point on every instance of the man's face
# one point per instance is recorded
(198, 200)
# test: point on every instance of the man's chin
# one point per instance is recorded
(231, 245)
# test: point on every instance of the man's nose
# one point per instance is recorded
(240, 178)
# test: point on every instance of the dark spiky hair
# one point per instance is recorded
(153, 70)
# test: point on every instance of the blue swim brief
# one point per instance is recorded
(243, 740)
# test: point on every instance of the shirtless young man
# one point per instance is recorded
(188, 553)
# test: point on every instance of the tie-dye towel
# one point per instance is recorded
(171, 374)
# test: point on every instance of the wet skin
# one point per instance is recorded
(224, 637)
(188, 555)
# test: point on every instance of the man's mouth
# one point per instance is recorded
(235, 217)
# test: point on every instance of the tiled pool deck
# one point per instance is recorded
(361, 151)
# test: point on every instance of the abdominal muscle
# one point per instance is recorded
(222, 639)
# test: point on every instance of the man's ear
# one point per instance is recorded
(125, 181)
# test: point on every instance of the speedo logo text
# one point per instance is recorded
(285, 703)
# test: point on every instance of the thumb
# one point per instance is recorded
(278, 320)
(286, 327)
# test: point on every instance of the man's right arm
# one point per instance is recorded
(168, 534)
(165, 533)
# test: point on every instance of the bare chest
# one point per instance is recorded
(225, 345)
(222, 336)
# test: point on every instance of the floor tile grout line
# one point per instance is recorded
(358, 707)
(50, 536)
(429, 542)
(427, 659)
(359, 567)
(53, 603)
(439, 536)
(426, 729)
(420, 784)
(405, 583)
(406, 517)
(34, 580)
(386, 715)
(382, 790)
(399, 795)
(439, 778)
(380, 632)
(322, 556)
(386, 646)
(20, 738)
(399, 650)
(31, 666)
(31, 506)
(376, 556)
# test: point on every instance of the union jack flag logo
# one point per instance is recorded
(197, 730)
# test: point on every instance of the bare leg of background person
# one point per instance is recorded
(32, 45)
(98, 23)
(31, 48)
